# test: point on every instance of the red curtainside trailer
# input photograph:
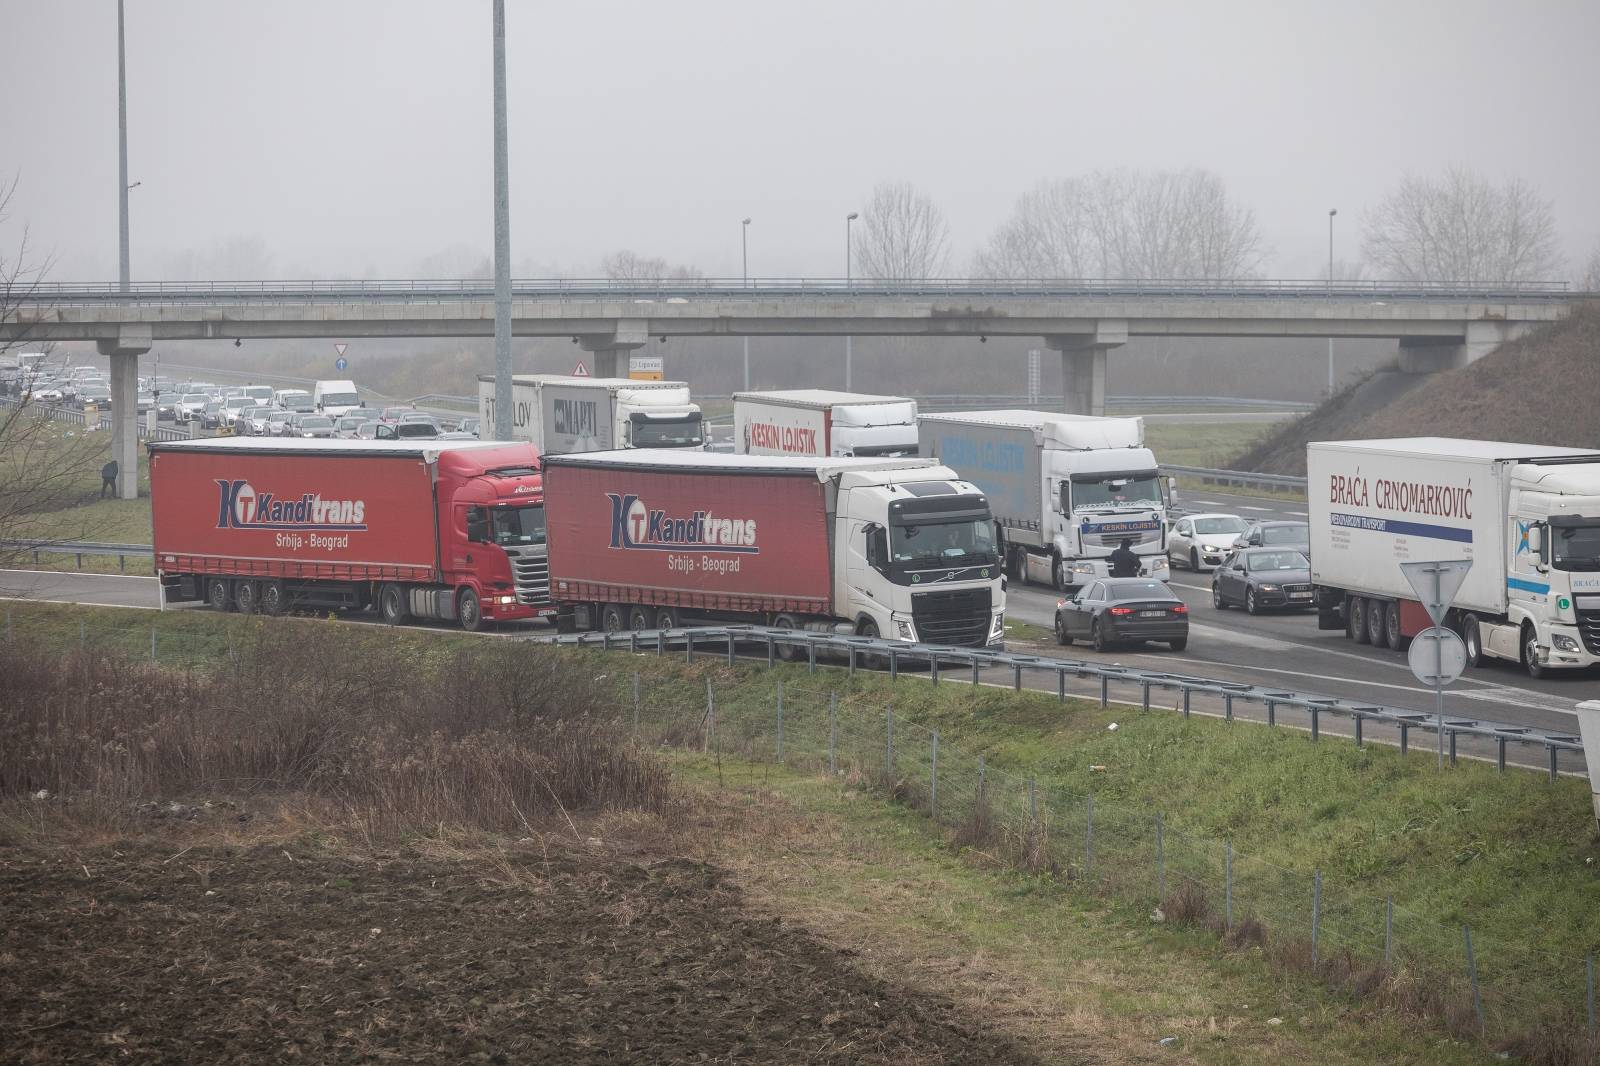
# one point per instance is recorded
(426, 529)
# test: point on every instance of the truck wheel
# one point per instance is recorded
(1057, 578)
(1375, 613)
(1393, 639)
(274, 600)
(666, 618)
(1530, 653)
(611, 618)
(1356, 620)
(1472, 638)
(468, 611)
(392, 605)
(217, 594)
(641, 618)
(787, 652)
(871, 660)
(247, 597)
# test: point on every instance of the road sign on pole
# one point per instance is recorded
(341, 363)
(1436, 584)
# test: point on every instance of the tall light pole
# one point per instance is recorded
(503, 424)
(744, 275)
(849, 355)
(1331, 212)
(122, 156)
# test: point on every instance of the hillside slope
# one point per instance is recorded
(1542, 389)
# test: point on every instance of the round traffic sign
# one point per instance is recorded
(341, 363)
(1437, 656)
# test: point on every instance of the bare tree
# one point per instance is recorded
(903, 235)
(1126, 224)
(1462, 227)
(625, 265)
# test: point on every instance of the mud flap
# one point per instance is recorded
(1330, 608)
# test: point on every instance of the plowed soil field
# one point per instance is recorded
(150, 953)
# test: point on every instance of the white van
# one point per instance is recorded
(335, 398)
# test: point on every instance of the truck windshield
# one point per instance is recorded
(687, 432)
(967, 542)
(1143, 490)
(517, 525)
(1575, 547)
(340, 399)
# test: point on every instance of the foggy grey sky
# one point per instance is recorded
(352, 136)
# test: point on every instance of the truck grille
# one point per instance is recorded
(1589, 626)
(959, 618)
(1112, 540)
(532, 575)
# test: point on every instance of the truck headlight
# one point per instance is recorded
(1158, 563)
(998, 629)
(904, 630)
(1562, 642)
(1083, 568)
(508, 599)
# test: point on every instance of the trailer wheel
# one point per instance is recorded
(217, 594)
(1472, 639)
(666, 618)
(468, 611)
(392, 605)
(641, 618)
(247, 597)
(1375, 612)
(1356, 620)
(1393, 638)
(274, 600)
(611, 618)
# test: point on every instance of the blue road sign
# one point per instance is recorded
(340, 363)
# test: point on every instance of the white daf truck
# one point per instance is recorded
(1528, 517)
(561, 414)
(1066, 490)
(824, 423)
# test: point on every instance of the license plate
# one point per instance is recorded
(1299, 595)
(1152, 614)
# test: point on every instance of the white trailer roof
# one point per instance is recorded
(817, 398)
(587, 382)
(692, 459)
(1081, 432)
(421, 447)
(1455, 448)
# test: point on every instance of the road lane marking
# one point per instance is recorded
(1264, 510)
(1298, 514)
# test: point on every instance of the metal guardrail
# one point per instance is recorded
(79, 548)
(1238, 478)
(896, 655)
(625, 288)
(77, 416)
(934, 401)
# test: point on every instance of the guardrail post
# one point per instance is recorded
(1061, 685)
(771, 650)
(1016, 683)
(1272, 712)
(1088, 838)
(1359, 719)
(1555, 753)
(1316, 913)
(688, 645)
(1186, 694)
(1105, 691)
(1315, 713)
(1227, 877)
(636, 703)
(833, 733)
(1227, 706)
(850, 651)
(1161, 858)
(1405, 736)
(661, 643)
(933, 788)
(894, 663)
(1472, 972)
(1500, 762)
(811, 656)
(731, 659)
(974, 673)
(780, 721)
(1144, 695)
(633, 641)
(1452, 747)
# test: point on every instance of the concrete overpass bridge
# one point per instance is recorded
(1438, 325)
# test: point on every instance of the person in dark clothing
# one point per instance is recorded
(1123, 562)
(108, 479)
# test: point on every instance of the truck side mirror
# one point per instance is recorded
(1536, 539)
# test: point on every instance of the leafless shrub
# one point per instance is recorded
(1188, 905)
(904, 235)
(1460, 226)
(979, 830)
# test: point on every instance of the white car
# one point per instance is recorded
(1203, 541)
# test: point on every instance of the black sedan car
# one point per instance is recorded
(1117, 610)
(1263, 578)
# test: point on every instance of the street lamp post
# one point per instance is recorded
(744, 274)
(1331, 212)
(849, 355)
(122, 157)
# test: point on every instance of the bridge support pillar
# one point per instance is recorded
(611, 350)
(1083, 365)
(130, 343)
(1428, 356)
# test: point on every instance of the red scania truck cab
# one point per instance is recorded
(447, 530)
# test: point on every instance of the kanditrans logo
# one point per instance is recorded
(242, 507)
(635, 525)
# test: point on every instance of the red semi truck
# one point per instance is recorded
(418, 529)
(895, 548)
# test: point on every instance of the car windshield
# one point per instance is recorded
(1219, 525)
(1139, 491)
(517, 525)
(968, 542)
(340, 399)
(669, 432)
(1139, 590)
(349, 423)
(1290, 533)
(417, 429)
(194, 397)
(1575, 547)
(279, 416)
(1256, 562)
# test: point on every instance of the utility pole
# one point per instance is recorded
(849, 354)
(502, 237)
(744, 275)
(122, 157)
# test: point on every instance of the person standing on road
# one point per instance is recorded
(1123, 562)
(108, 479)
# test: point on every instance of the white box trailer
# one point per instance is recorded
(1528, 516)
(562, 414)
(824, 423)
(1065, 489)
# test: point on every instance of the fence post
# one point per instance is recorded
(1033, 804)
(81, 635)
(636, 703)
(981, 781)
(933, 790)
(1161, 858)
(711, 718)
(1088, 839)
(1472, 972)
(888, 742)
(780, 721)
(1316, 912)
(1588, 966)
(152, 643)
(1388, 932)
(833, 733)
(1227, 869)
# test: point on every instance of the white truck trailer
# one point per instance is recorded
(1528, 517)
(562, 414)
(824, 423)
(1065, 489)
